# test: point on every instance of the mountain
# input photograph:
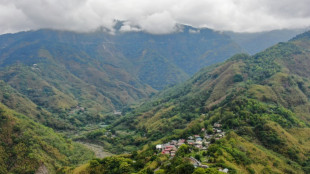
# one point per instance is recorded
(260, 101)
(256, 42)
(70, 79)
(58, 76)
(72, 82)
(189, 49)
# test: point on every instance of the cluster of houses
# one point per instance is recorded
(171, 147)
(199, 142)
(35, 67)
(77, 109)
(117, 112)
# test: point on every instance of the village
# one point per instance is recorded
(202, 143)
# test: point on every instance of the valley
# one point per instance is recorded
(154, 87)
(98, 150)
(135, 102)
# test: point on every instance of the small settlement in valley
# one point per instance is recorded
(202, 143)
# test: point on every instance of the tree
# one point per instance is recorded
(209, 130)
(183, 150)
(160, 171)
(186, 168)
(199, 171)
(125, 168)
(197, 156)
(238, 78)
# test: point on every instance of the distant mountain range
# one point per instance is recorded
(72, 82)
(56, 71)
(253, 43)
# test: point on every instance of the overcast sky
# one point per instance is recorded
(154, 16)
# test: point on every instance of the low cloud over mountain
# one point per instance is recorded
(158, 17)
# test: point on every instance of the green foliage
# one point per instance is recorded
(268, 137)
(254, 113)
(214, 150)
(238, 78)
(212, 171)
(199, 171)
(206, 171)
(26, 145)
(239, 156)
(183, 150)
(198, 157)
(263, 65)
(251, 171)
(160, 171)
(185, 168)
(215, 95)
(95, 134)
(304, 36)
(68, 82)
(111, 165)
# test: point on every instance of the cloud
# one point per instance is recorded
(193, 31)
(159, 17)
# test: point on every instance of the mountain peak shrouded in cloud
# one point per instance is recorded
(157, 17)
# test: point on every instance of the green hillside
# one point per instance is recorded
(124, 56)
(58, 78)
(261, 101)
(69, 80)
(250, 112)
(27, 146)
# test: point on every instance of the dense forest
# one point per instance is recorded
(248, 114)
(27, 146)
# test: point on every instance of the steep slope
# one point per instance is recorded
(59, 77)
(260, 100)
(27, 146)
(58, 57)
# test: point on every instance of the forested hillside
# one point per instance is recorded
(27, 146)
(171, 57)
(72, 79)
(154, 87)
(260, 101)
